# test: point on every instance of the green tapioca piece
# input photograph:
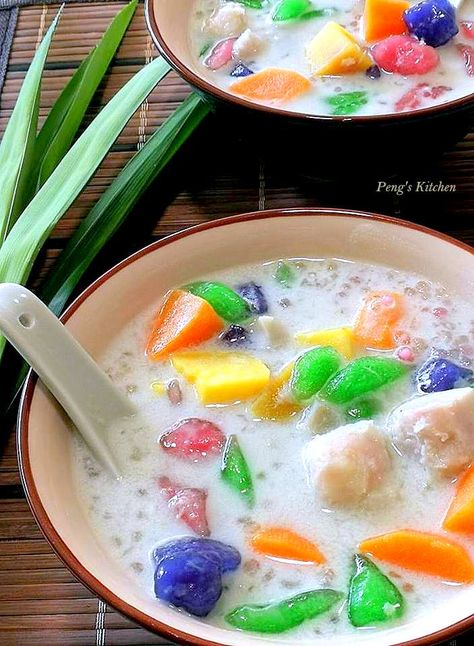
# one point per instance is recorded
(360, 377)
(290, 10)
(362, 409)
(318, 13)
(312, 370)
(284, 615)
(285, 274)
(373, 598)
(235, 470)
(226, 303)
(253, 4)
(347, 103)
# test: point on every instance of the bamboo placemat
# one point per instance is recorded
(40, 602)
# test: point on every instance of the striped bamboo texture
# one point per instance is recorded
(40, 602)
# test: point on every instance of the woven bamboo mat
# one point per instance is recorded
(40, 602)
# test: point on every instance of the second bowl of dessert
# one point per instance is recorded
(388, 81)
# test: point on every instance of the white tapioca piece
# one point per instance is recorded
(247, 45)
(229, 20)
(348, 463)
(274, 330)
(438, 428)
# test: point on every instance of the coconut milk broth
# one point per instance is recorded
(130, 517)
(285, 48)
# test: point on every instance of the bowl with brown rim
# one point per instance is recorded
(45, 439)
(324, 145)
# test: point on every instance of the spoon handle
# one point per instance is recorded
(85, 392)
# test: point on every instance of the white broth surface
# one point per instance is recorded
(131, 518)
(269, 44)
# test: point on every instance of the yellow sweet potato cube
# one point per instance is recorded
(274, 403)
(340, 338)
(334, 51)
(222, 377)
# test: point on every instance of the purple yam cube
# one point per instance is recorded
(373, 72)
(189, 572)
(241, 70)
(235, 335)
(255, 297)
(189, 581)
(433, 21)
(439, 374)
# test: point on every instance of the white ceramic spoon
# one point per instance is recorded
(85, 392)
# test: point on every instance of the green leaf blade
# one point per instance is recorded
(31, 230)
(16, 147)
(118, 200)
(66, 115)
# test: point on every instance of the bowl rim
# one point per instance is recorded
(208, 88)
(39, 512)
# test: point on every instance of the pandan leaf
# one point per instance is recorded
(67, 113)
(31, 230)
(17, 145)
(118, 200)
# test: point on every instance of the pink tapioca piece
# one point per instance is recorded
(220, 54)
(405, 354)
(187, 504)
(467, 28)
(405, 55)
(388, 300)
(418, 94)
(193, 439)
(467, 52)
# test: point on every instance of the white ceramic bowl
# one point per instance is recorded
(106, 306)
